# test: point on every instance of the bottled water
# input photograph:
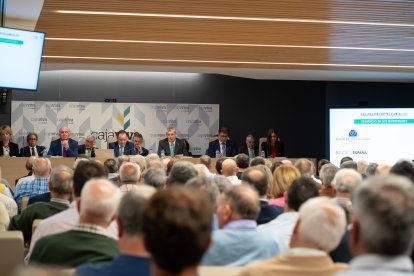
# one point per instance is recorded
(262, 154)
(44, 152)
(162, 153)
(217, 154)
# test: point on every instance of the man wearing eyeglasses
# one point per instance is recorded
(88, 149)
(32, 149)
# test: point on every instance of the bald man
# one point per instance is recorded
(229, 170)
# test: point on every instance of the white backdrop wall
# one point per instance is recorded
(195, 122)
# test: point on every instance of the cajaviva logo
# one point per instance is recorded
(123, 120)
(353, 133)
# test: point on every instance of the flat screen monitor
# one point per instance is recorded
(20, 58)
(381, 135)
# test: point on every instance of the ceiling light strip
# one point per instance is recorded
(237, 18)
(238, 62)
(228, 44)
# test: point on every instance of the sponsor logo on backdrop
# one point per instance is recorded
(39, 120)
(79, 107)
(185, 108)
(353, 133)
(104, 135)
(359, 152)
(207, 108)
(28, 105)
(55, 106)
(194, 122)
(122, 118)
(343, 152)
(68, 121)
(170, 123)
(159, 107)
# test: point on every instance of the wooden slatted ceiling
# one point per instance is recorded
(143, 28)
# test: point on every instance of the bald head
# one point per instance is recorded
(129, 173)
(229, 167)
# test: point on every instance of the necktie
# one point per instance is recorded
(172, 149)
(64, 154)
(251, 153)
(121, 151)
(223, 149)
(88, 152)
(33, 152)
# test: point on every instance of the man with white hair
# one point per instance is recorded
(229, 170)
(87, 242)
(64, 146)
(88, 149)
(382, 227)
(318, 231)
(129, 176)
(343, 184)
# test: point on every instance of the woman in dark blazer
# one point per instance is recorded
(7, 148)
(273, 147)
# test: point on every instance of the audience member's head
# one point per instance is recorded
(41, 167)
(110, 164)
(287, 162)
(383, 222)
(371, 169)
(404, 168)
(239, 203)
(242, 161)
(349, 165)
(346, 180)
(201, 169)
(257, 179)
(383, 169)
(85, 171)
(150, 157)
(177, 229)
(140, 161)
(129, 173)
(305, 167)
(181, 172)
(321, 225)
(275, 165)
(206, 160)
(61, 179)
(155, 178)
(362, 167)
(327, 174)
(300, 191)
(282, 179)
(229, 167)
(344, 159)
(257, 161)
(321, 163)
(219, 163)
(222, 183)
(98, 202)
(29, 163)
(206, 185)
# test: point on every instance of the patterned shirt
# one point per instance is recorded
(29, 188)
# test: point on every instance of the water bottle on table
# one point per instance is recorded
(263, 154)
(217, 154)
(162, 153)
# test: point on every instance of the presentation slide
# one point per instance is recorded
(20, 58)
(381, 135)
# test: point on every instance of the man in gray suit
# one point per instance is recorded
(171, 145)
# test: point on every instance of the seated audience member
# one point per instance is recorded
(306, 168)
(129, 176)
(349, 165)
(383, 169)
(181, 172)
(242, 161)
(88, 149)
(177, 228)
(321, 163)
(110, 165)
(32, 149)
(361, 167)
(155, 177)
(275, 165)
(4, 218)
(138, 140)
(140, 161)
(69, 218)
(133, 258)
(257, 161)
(318, 231)
(282, 179)
(258, 180)
(371, 169)
(249, 148)
(222, 145)
(60, 186)
(201, 170)
(86, 242)
(45, 197)
(326, 176)
(64, 146)
(238, 241)
(298, 193)
(382, 227)
(345, 159)
(39, 185)
(7, 148)
(122, 146)
(273, 147)
(29, 167)
(222, 183)
(404, 168)
(229, 170)
(218, 165)
(9, 204)
(172, 145)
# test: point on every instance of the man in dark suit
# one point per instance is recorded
(171, 145)
(249, 148)
(222, 145)
(257, 178)
(122, 146)
(32, 149)
(65, 146)
(138, 139)
(88, 149)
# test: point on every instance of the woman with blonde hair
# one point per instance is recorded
(7, 148)
(282, 179)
